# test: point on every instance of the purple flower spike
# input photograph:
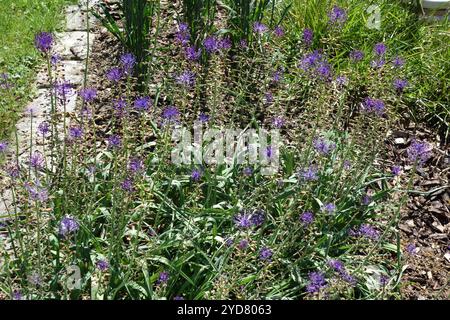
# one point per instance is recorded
(186, 78)
(75, 133)
(400, 84)
(265, 254)
(380, 49)
(127, 185)
(258, 218)
(203, 117)
(36, 192)
(323, 146)
(68, 225)
(329, 208)
(37, 160)
(377, 63)
(128, 61)
(114, 142)
(44, 128)
(171, 114)
(278, 31)
(163, 278)
(3, 146)
(356, 55)
(419, 152)
(337, 16)
(259, 28)
(135, 165)
(55, 59)
(102, 265)
(375, 106)
(278, 122)
(243, 244)
(306, 218)
(88, 94)
(142, 104)
(365, 231)
(411, 249)
(384, 280)
(225, 43)
(183, 34)
(211, 44)
(398, 62)
(114, 74)
(336, 265)
(310, 173)
(43, 41)
(316, 283)
(243, 220)
(196, 175)
(192, 54)
(248, 171)
(308, 36)
(396, 170)
(17, 295)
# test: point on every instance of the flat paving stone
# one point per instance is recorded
(73, 45)
(76, 19)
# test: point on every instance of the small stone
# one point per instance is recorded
(400, 141)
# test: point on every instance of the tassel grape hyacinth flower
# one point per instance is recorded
(43, 41)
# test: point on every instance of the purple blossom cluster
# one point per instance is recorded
(265, 254)
(127, 61)
(309, 174)
(192, 53)
(365, 231)
(329, 208)
(171, 114)
(75, 133)
(102, 265)
(3, 146)
(186, 78)
(278, 122)
(316, 65)
(4, 81)
(196, 175)
(43, 41)
(356, 55)
(214, 44)
(36, 192)
(68, 225)
(114, 74)
(183, 36)
(308, 37)
(306, 218)
(339, 268)
(135, 165)
(114, 141)
(323, 146)
(260, 28)
(400, 85)
(142, 104)
(337, 16)
(373, 106)
(247, 219)
(419, 152)
(317, 282)
(88, 94)
(163, 278)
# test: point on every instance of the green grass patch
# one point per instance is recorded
(20, 20)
